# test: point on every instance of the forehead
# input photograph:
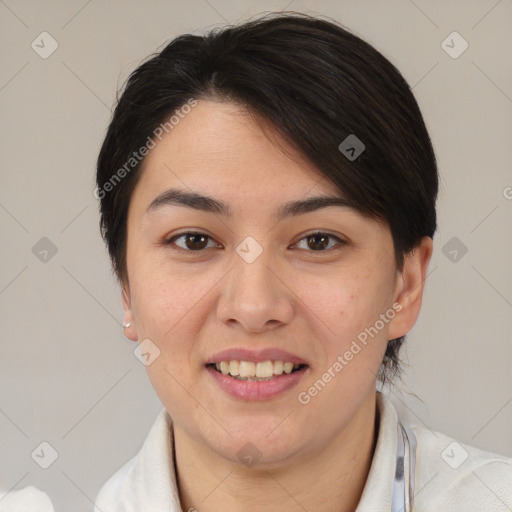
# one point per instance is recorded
(220, 149)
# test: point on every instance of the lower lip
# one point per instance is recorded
(257, 390)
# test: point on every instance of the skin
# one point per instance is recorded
(293, 296)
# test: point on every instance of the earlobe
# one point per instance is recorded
(128, 322)
(409, 289)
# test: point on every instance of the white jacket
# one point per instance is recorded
(449, 476)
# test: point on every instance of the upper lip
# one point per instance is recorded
(255, 356)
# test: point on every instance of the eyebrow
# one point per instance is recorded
(177, 197)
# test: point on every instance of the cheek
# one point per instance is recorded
(165, 305)
(344, 303)
(341, 311)
(169, 312)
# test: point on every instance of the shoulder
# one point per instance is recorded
(455, 476)
(28, 499)
(143, 481)
(116, 487)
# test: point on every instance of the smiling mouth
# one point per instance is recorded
(256, 372)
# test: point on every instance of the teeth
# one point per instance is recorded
(246, 370)
(278, 367)
(234, 368)
(265, 369)
(288, 367)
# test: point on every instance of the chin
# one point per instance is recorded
(261, 444)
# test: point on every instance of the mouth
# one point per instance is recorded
(249, 371)
(247, 380)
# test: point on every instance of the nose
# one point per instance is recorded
(255, 297)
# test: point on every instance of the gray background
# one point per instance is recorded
(67, 374)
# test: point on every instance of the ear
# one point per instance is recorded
(409, 288)
(130, 332)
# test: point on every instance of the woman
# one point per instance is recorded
(267, 196)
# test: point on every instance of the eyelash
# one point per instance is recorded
(171, 240)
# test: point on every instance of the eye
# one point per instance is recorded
(196, 241)
(193, 241)
(318, 241)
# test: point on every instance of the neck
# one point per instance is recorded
(330, 481)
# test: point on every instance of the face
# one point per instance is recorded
(251, 286)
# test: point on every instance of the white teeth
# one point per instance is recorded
(234, 368)
(278, 367)
(264, 370)
(247, 369)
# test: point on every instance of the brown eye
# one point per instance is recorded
(192, 242)
(318, 242)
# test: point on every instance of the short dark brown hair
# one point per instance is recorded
(317, 84)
